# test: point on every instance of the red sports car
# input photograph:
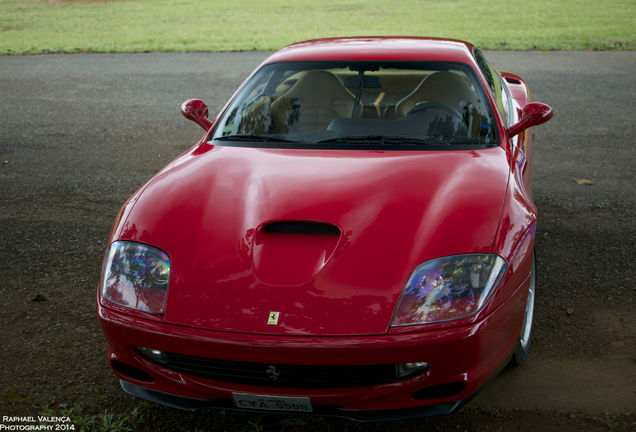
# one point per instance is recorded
(353, 236)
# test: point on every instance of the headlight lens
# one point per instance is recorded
(136, 276)
(448, 288)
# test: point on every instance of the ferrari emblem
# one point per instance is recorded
(273, 318)
(272, 372)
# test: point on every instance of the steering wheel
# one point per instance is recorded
(428, 106)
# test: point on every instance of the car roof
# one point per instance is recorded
(377, 48)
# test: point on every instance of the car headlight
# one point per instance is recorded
(448, 288)
(136, 276)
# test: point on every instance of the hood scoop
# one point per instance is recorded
(291, 253)
(301, 227)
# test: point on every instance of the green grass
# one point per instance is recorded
(46, 26)
(80, 421)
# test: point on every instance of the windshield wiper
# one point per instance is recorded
(252, 137)
(381, 139)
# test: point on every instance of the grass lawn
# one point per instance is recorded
(48, 26)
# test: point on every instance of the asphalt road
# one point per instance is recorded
(80, 133)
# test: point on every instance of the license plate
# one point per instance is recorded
(272, 403)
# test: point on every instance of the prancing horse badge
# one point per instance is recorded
(273, 318)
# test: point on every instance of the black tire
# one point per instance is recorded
(522, 350)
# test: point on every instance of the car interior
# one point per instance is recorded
(343, 101)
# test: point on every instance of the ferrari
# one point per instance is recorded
(352, 236)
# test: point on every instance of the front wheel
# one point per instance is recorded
(522, 349)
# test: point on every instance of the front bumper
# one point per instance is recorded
(462, 360)
(192, 404)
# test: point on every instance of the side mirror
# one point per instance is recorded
(197, 111)
(533, 114)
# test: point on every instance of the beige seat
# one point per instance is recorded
(447, 88)
(317, 98)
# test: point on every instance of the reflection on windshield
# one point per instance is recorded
(362, 104)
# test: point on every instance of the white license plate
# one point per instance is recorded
(272, 403)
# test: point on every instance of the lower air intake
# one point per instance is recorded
(281, 375)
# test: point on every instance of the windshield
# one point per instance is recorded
(344, 105)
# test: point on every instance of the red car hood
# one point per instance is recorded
(380, 213)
